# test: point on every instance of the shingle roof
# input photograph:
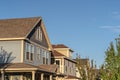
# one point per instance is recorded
(17, 65)
(47, 68)
(56, 53)
(50, 68)
(17, 28)
(59, 46)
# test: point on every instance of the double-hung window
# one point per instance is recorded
(29, 48)
(39, 34)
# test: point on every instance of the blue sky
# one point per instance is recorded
(86, 26)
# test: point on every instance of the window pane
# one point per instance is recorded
(31, 56)
(27, 55)
(57, 62)
(43, 60)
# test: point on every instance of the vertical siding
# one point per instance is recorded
(14, 47)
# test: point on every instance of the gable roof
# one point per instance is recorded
(56, 53)
(17, 28)
(55, 46)
(59, 46)
(20, 28)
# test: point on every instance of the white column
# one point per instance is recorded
(2, 73)
(56, 77)
(42, 76)
(50, 77)
(33, 75)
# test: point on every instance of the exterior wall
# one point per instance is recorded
(15, 47)
(66, 67)
(37, 59)
(32, 37)
(69, 68)
(38, 44)
(64, 51)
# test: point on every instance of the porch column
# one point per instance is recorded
(56, 77)
(33, 75)
(2, 75)
(50, 77)
(42, 76)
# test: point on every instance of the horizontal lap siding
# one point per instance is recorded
(14, 47)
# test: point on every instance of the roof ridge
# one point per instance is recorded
(20, 18)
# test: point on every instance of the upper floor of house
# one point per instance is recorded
(62, 58)
(63, 49)
(26, 39)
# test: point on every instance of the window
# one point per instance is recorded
(66, 68)
(39, 34)
(39, 52)
(27, 55)
(47, 57)
(44, 56)
(57, 62)
(43, 60)
(29, 51)
(31, 56)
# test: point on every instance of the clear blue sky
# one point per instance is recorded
(87, 26)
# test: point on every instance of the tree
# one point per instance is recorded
(5, 58)
(86, 71)
(110, 70)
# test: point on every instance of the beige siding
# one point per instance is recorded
(14, 47)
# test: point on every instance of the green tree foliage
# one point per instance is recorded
(111, 68)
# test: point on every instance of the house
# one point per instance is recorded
(28, 41)
(62, 56)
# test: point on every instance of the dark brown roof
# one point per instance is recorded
(17, 28)
(56, 53)
(59, 46)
